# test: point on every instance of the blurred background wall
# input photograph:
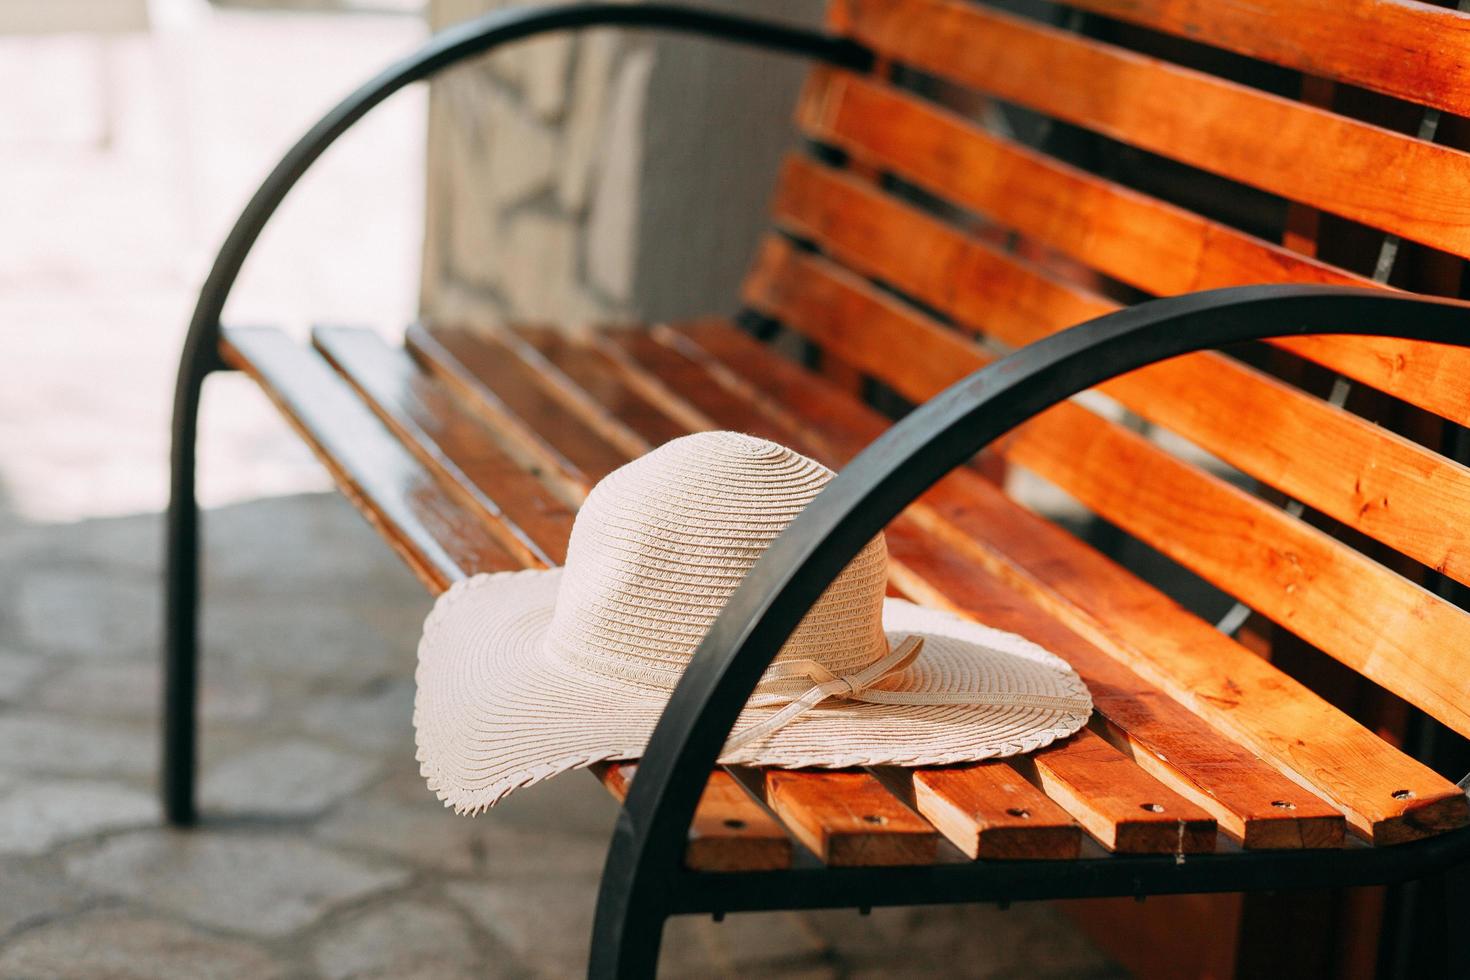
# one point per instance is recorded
(602, 176)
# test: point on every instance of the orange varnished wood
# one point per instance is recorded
(731, 831)
(806, 796)
(458, 357)
(689, 380)
(1362, 172)
(1239, 789)
(1122, 806)
(1385, 795)
(1411, 641)
(847, 818)
(1149, 244)
(603, 379)
(452, 442)
(989, 811)
(1365, 42)
(1369, 479)
(429, 528)
(1252, 802)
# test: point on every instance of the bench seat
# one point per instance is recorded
(469, 451)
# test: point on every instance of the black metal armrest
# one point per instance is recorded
(644, 861)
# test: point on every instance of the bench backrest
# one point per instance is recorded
(920, 237)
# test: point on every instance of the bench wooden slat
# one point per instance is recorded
(1225, 780)
(1386, 796)
(1100, 787)
(1362, 43)
(428, 527)
(847, 818)
(730, 832)
(1373, 175)
(497, 369)
(989, 811)
(1251, 801)
(1147, 243)
(516, 419)
(1360, 474)
(691, 381)
(1405, 638)
(451, 442)
(1037, 835)
(1231, 784)
(600, 380)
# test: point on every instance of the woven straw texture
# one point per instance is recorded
(523, 675)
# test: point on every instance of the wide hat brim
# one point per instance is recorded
(495, 710)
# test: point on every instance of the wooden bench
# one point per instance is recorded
(911, 249)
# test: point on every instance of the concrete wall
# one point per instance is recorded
(604, 175)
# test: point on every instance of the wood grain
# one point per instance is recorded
(1358, 473)
(1365, 42)
(1147, 243)
(1251, 801)
(1380, 624)
(990, 812)
(425, 525)
(1127, 810)
(848, 818)
(1236, 787)
(453, 443)
(828, 824)
(1376, 176)
(730, 832)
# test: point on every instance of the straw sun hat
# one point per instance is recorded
(523, 675)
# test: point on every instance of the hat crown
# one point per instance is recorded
(661, 544)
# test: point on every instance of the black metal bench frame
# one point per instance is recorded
(644, 880)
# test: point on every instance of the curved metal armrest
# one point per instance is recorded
(454, 45)
(906, 461)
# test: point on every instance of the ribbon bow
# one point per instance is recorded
(827, 685)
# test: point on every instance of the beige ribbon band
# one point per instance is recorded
(855, 687)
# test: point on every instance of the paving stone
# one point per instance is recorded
(281, 546)
(73, 747)
(291, 778)
(266, 885)
(429, 835)
(36, 815)
(131, 690)
(546, 924)
(408, 938)
(311, 638)
(33, 894)
(612, 224)
(18, 672)
(92, 613)
(378, 719)
(121, 945)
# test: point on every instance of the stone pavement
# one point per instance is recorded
(322, 853)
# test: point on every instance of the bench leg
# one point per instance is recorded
(628, 948)
(181, 616)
